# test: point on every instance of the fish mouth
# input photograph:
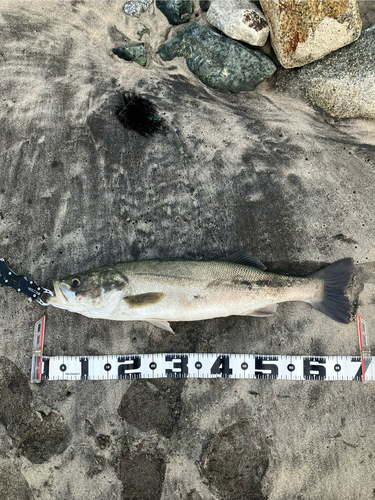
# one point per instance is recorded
(62, 295)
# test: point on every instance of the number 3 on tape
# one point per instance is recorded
(201, 365)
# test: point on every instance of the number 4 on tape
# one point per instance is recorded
(202, 365)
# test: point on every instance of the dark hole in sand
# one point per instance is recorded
(141, 115)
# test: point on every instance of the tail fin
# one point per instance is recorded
(336, 277)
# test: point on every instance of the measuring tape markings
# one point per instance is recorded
(210, 365)
(201, 365)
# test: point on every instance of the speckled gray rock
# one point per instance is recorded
(239, 19)
(13, 486)
(38, 437)
(218, 61)
(303, 31)
(134, 53)
(160, 408)
(231, 474)
(142, 474)
(135, 8)
(367, 13)
(176, 11)
(343, 83)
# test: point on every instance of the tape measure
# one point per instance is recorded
(202, 365)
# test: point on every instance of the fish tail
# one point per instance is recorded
(334, 302)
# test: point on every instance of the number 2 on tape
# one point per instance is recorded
(201, 365)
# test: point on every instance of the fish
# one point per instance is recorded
(160, 291)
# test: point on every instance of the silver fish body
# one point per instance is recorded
(160, 291)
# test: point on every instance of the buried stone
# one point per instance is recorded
(218, 61)
(176, 11)
(134, 53)
(236, 461)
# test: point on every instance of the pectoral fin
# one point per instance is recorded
(160, 324)
(264, 312)
(144, 299)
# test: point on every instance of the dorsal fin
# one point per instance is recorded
(243, 257)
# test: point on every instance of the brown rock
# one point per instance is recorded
(303, 31)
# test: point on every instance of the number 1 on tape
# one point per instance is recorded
(201, 365)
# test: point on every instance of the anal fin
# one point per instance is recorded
(263, 312)
(160, 324)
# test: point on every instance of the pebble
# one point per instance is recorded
(135, 8)
(176, 11)
(343, 83)
(304, 31)
(134, 53)
(239, 19)
(219, 62)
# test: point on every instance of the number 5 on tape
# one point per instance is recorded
(202, 365)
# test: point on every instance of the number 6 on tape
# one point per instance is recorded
(201, 365)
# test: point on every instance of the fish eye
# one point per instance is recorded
(76, 281)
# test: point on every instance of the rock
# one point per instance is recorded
(37, 438)
(152, 405)
(204, 5)
(136, 7)
(13, 410)
(343, 83)
(13, 486)
(134, 53)
(303, 31)
(45, 438)
(367, 13)
(218, 61)
(240, 20)
(234, 474)
(176, 11)
(142, 474)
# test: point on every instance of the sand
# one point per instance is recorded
(261, 171)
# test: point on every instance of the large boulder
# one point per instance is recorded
(303, 31)
(343, 83)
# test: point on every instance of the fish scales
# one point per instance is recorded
(199, 290)
(160, 291)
